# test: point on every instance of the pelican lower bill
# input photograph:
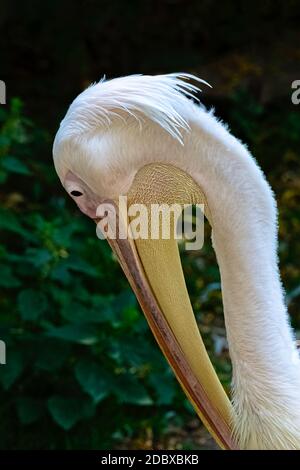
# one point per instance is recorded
(153, 268)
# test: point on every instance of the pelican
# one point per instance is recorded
(144, 137)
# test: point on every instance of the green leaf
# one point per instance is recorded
(38, 256)
(31, 304)
(63, 269)
(164, 386)
(29, 410)
(13, 368)
(84, 334)
(129, 350)
(126, 352)
(80, 265)
(94, 380)
(60, 272)
(14, 165)
(66, 412)
(129, 390)
(8, 221)
(124, 300)
(76, 312)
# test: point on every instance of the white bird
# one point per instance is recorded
(142, 136)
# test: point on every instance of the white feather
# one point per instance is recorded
(155, 97)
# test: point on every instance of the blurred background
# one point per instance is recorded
(83, 371)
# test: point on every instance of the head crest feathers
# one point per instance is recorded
(158, 98)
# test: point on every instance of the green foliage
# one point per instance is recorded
(31, 304)
(66, 412)
(94, 380)
(78, 349)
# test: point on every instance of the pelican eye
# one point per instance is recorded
(76, 193)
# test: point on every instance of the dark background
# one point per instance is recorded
(82, 369)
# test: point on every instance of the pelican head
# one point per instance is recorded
(144, 138)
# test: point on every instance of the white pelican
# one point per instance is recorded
(142, 136)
